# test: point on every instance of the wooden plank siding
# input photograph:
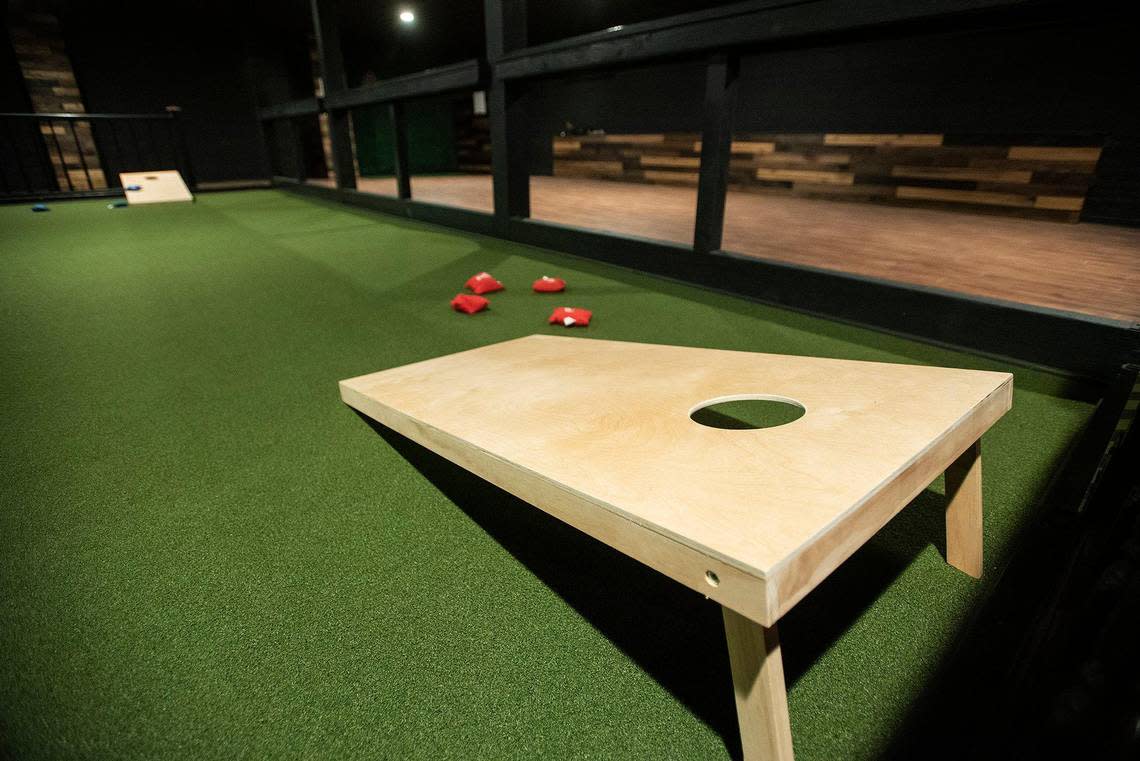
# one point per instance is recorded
(1031, 176)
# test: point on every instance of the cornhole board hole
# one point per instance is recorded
(161, 186)
(599, 434)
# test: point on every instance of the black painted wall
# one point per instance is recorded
(13, 95)
(23, 162)
(661, 98)
(1049, 79)
(140, 57)
(376, 45)
(552, 20)
(1076, 77)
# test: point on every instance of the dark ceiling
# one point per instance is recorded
(375, 42)
(446, 31)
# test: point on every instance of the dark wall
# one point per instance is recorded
(141, 57)
(13, 94)
(1050, 79)
(376, 45)
(662, 98)
(1114, 197)
(23, 162)
(550, 20)
(1041, 80)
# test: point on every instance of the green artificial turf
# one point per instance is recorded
(204, 554)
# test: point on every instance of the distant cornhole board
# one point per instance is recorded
(162, 186)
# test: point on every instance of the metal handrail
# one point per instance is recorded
(37, 162)
(88, 117)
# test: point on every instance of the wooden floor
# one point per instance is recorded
(1085, 268)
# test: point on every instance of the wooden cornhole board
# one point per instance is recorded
(599, 435)
(161, 186)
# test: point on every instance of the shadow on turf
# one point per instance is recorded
(1006, 691)
(671, 632)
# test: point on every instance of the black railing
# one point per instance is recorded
(718, 37)
(46, 156)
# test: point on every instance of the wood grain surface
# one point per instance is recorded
(759, 689)
(933, 170)
(160, 186)
(598, 433)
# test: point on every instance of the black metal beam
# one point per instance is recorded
(85, 117)
(509, 151)
(290, 109)
(400, 149)
(327, 30)
(182, 150)
(739, 25)
(506, 30)
(716, 148)
(295, 147)
(52, 195)
(343, 157)
(264, 129)
(465, 75)
(506, 27)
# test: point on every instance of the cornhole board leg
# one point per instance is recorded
(964, 511)
(758, 681)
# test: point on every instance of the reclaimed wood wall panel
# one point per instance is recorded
(874, 140)
(38, 42)
(1034, 176)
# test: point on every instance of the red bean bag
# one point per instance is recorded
(465, 302)
(571, 317)
(483, 283)
(549, 285)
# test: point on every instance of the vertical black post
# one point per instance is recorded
(326, 28)
(17, 153)
(267, 132)
(111, 170)
(43, 157)
(340, 135)
(79, 150)
(716, 148)
(136, 146)
(400, 142)
(62, 160)
(296, 147)
(180, 148)
(506, 30)
(156, 160)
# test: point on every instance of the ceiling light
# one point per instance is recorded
(407, 16)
